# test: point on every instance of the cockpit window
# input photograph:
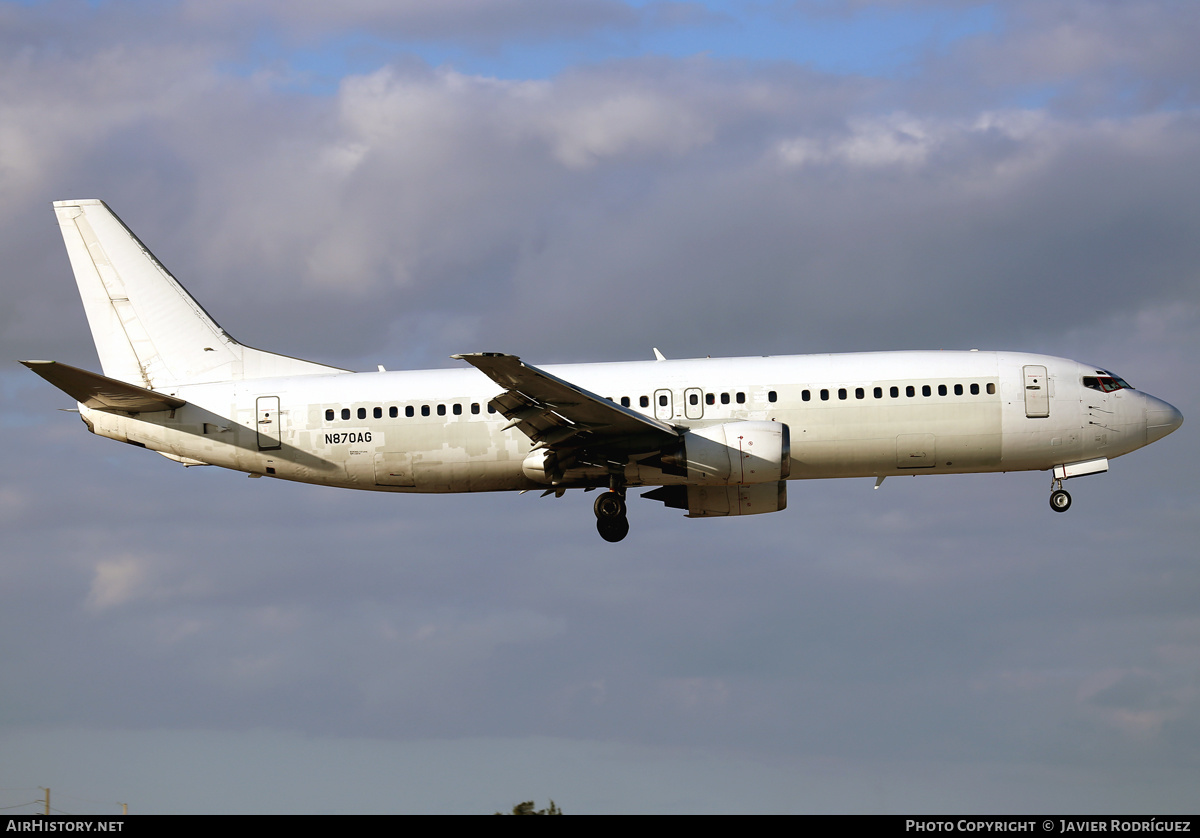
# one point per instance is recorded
(1105, 383)
(1124, 384)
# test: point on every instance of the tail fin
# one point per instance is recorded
(147, 328)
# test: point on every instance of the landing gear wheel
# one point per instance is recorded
(1060, 501)
(608, 506)
(611, 522)
(612, 529)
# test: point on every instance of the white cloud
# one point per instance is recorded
(117, 582)
(624, 124)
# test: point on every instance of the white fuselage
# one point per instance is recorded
(854, 415)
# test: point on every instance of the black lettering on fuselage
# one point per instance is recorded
(348, 436)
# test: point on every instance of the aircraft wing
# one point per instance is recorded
(97, 391)
(558, 415)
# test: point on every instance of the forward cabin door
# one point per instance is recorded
(269, 430)
(1037, 392)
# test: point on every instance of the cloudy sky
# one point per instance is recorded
(365, 182)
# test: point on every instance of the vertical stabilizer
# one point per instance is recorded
(147, 328)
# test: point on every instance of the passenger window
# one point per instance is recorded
(710, 398)
(441, 410)
(910, 391)
(458, 410)
(926, 390)
(693, 399)
(424, 410)
(824, 395)
(724, 398)
(991, 389)
(974, 389)
(393, 412)
(624, 401)
(958, 389)
(329, 415)
(894, 392)
(805, 396)
(941, 389)
(860, 393)
(362, 413)
(490, 408)
(741, 398)
(842, 393)
(377, 413)
(644, 401)
(409, 411)
(662, 401)
(474, 407)
(878, 392)
(772, 396)
(345, 413)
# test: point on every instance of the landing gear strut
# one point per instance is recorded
(611, 522)
(1060, 500)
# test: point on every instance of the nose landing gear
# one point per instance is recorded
(610, 509)
(1060, 499)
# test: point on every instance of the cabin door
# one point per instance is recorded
(269, 423)
(1037, 392)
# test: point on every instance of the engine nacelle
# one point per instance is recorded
(719, 501)
(723, 501)
(733, 453)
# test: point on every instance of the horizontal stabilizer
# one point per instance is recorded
(96, 391)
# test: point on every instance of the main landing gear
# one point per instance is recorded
(611, 522)
(1060, 500)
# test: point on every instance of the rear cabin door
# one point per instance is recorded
(269, 430)
(1037, 392)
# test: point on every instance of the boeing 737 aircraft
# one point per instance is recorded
(715, 437)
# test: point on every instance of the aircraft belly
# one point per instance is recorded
(905, 438)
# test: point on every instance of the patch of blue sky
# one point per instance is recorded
(24, 400)
(873, 41)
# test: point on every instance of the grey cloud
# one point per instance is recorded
(1080, 57)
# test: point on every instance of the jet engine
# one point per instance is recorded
(733, 453)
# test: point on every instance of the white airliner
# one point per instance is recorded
(716, 437)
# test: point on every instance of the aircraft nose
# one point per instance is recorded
(1161, 419)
